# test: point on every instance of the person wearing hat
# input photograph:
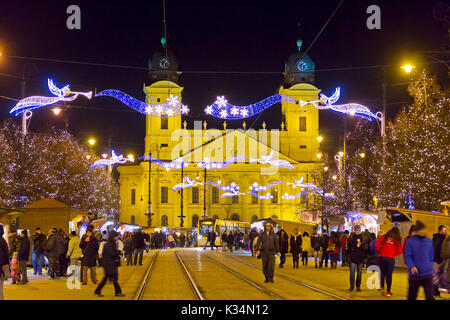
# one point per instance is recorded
(4, 261)
(419, 257)
(110, 264)
(267, 246)
(23, 255)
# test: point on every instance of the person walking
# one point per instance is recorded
(230, 241)
(324, 246)
(419, 257)
(4, 261)
(344, 253)
(38, 250)
(63, 247)
(138, 246)
(315, 245)
(388, 247)
(23, 255)
(212, 241)
(110, 264)
(52, 252)
(267, 246)
(251, 238)
(356, 251)
(334, 246)
(128, 248)
(74, 253)
(306, 248)
(283, 244)
(438, 239)
(89, 245)
(296, 247)
(444, 269)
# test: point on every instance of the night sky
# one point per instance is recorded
(209, 36)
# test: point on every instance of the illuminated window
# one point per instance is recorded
(164, 123)
(215, 195)
(302, 123)
(133, 196)
(164, 195)
(274, 194)
(195, 195)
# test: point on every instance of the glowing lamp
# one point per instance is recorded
(130, 157)
(341, 154)
(91, 141)
(325, 168)
(408, 68)
(319, 155)
(334, 177)
(319, 138)
(104, 155)
(362, 155)
(57, 110)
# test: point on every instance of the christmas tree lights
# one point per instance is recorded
(35, 102)
(172, 107)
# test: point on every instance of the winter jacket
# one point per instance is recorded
(110, 258)
(4, 251)
(315, 242)
(296, 244)
(324, 242)
(138, 240)
(337, 246)
(356, 253)
(230, 239)
(267, 243)
(388, 248)
(343, 240)
(445, 252)
(306, 244)
(283, 242)
(74, 250)
(23, 254)
(13, 244)
(38, 242)
(90, 251)
(438, 239)
(52, 245)
(419, 253)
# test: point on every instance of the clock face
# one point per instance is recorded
(164, 63)
(302, 65)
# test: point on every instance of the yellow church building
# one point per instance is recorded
(168, 138)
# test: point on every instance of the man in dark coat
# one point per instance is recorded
(356, 248)
(438, 239)
(324, 245)
(4, 261)
(63, 243)
(38, 250)
(230, 241)
(315, 245)
(283, 244)
(52, 249)
(23, 255)
(267, 246)
(138, 246)
(110, 264)
(89, 245)
(251, 238)
(212, 239)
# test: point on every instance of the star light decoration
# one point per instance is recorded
(232, 189)
(210, 165)
(224, 110)
(172, 107)
(111, 161)
(187, 183)
(256, 187)
(267, 159)
(35, 102)
(168, 165)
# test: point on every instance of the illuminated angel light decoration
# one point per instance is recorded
(268, 160)
(35, 102)
(210, 165)
(353, 109)
(221, 108)
(232, 189)
(267, 196)
(256, 187)
(109, 162)
(168, 165)
(187, 183)
(288, 196)
(299, 183)
(172, 107)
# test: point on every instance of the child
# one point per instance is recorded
(15, 269)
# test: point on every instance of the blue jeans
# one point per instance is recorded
(38, 262)
(358, 268)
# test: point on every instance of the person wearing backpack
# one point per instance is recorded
(334, 246)
(388, 247)
(38, 250)
(315, 245)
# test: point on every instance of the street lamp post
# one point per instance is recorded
(181, 194)
(204, 195)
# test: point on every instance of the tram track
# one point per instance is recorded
(298, 282)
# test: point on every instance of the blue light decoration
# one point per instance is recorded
(187, 183)
(108, 162)
(227, 111)
(299, 183)
(353, 109)
(168, 165)
(232, 189)
(256, 187)
(268, 160)
(288, 196)
(267, 196)
(172, 107)
(210, 165)
(35, 102)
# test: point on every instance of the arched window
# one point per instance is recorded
(194, 221)
(164, 221)
(235, 217)
(254, 218)
(215, 217)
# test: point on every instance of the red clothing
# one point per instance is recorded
(389, 248)
(336, 250)
(343, 242)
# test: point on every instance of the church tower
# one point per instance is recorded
(300, 122)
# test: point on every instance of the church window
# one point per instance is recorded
(164, 195)
(274, 194)
(164, 123)
(133, 196)
(302, 123)
(195, 195)
(302, 146)
(215, 195)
